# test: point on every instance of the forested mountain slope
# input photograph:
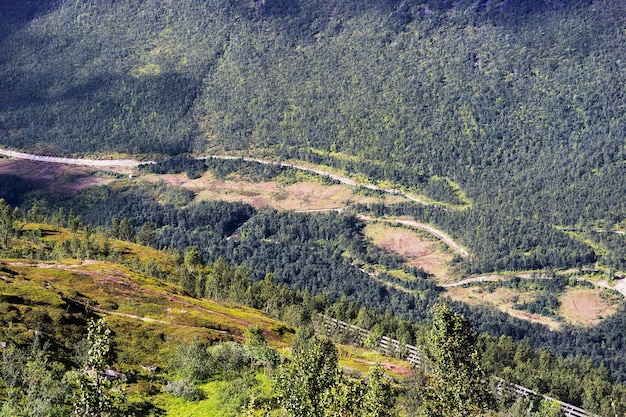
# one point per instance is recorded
(521, 104)
(182, 328)
(518, 104)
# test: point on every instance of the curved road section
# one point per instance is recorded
(417, 225)
(331, 175)
(74, 161)
(131, 163)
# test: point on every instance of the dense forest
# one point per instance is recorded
(32, 361)
(520, 104)
(511, 115)
(317, 253)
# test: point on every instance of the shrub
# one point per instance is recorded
(184, 389)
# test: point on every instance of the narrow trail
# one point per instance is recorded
(344, 180)
(482, 278)
(619, 286)
(331, 175)
(417, 225)
(498, 277)
(122, 281)
(135, 163)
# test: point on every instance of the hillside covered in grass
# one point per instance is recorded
(163, 350)
(332, 256)
(185, 332)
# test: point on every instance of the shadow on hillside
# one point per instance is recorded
(13, 189)
(307, 17)
(15, 14)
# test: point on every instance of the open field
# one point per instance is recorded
(299, 196)
(501, 298)
(587, 307)
(64, 178)
(579, 306)
(418, 249)
(149, 317)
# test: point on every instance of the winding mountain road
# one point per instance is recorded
(135, 163)
(331, 175)
(423, 226)
(129, 163)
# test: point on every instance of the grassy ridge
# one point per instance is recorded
(152, 321)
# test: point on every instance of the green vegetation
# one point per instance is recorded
(514, 108)
(205, 348)
(510, 115)
(317, 253)
(458, 386)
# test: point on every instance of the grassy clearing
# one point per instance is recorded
(587, 306)
(579, 306)
(419, 249)
(361, 360)
(303, 192)
(106, 286)
(503, 299)
(223, 398)
(598, 249)
(149, 319)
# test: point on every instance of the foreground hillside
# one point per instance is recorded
(171, 352)
(168, 309)
(361, 261)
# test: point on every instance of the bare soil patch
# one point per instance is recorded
(167, 179)
(418, 250)
(255, 194)
(299, 196)
(57, 176)
(579, 306)
(586, 306)
(503, 299)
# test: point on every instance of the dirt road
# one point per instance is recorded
(74, 161)
(423, 226)
(134, 163)
(129, 163)
(331, 175)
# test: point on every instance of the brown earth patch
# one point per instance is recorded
(501, 298)
(419, 251)
(168, 179)
(586, 306)
(300, 196)
(255, 194)
(395, 368)
(57, 176)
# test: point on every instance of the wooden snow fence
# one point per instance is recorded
(411, 353)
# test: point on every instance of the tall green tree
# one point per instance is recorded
(93, 398)
(304, 384)
(379, 398)
(457, 384)
(8, 228)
